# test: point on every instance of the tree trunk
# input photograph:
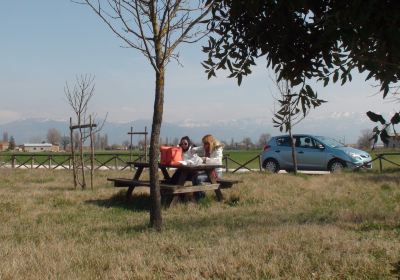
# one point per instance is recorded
(73, 153)
(294, 157)
(155, 210)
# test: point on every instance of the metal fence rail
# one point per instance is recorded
(105, 161)
(64, 161)
(381, 157)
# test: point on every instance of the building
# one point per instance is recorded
(4, 146)
(42, 147)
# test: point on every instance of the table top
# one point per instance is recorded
(183, 167)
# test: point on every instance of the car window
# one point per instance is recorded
(305, 142)
(283, 141)
(330, 142)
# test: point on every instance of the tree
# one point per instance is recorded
(155, 28)
(11, 143)
(53, 136)
(365, 141)
(247, 142)
(289, 114)
(78, 98)
(264, 138)
(383, 132)
(304, 40)
(64, 142)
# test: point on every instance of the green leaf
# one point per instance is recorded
(239, 78)
(376, 117)
(335, 76)
(385, 136)
(395, 119)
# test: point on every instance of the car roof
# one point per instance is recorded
(287, 135)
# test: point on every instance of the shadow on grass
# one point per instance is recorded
(140, 202)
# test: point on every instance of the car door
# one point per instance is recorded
(309, 154)
(283, 152)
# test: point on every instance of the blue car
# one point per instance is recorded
(313, 153)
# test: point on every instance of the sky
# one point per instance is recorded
(46, 43)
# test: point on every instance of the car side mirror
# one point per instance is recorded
(321, 147)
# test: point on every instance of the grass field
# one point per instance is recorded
(281, 226)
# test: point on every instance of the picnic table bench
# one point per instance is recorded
(171, 192)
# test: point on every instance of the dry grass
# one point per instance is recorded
(270, 227)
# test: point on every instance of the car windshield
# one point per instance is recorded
(329, 142)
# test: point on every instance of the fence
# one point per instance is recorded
(107, 161)
(64, 161)
(383, 157)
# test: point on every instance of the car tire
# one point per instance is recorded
(271, 165)
(336, 166)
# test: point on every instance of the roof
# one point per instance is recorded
(38, 145)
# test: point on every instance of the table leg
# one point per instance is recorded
(138, 173)
(213, 180)
(135, 177)
(171, 200)
(129, 192)
(165, 173)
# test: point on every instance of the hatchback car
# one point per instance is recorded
(313, 153)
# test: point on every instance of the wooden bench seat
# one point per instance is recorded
(165, 188)
(227, 183)
(126, 182)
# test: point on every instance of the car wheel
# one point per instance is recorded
(271, 165)
(336, 166)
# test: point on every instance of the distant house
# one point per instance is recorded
(42, 147)
(3, 146)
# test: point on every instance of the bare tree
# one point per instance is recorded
(366, 139)
(264, 138)
(78, 98)
(155, 28)
(64, 142)
(53, 136)
(247, 142)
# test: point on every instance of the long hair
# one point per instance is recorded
(190, 143)
(212, 141)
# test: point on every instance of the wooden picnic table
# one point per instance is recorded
(172, 191)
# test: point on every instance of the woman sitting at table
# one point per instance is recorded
(188, 151)
(212, 155)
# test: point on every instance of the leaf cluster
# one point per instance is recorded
(302, 40)
(382, 132)
(288, 114)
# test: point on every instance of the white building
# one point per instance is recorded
(42, 147)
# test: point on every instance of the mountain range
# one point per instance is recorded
(344, 126)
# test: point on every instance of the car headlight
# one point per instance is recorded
(354, 156)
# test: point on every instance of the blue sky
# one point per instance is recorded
(48, 42)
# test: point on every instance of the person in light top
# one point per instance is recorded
(188, 149)
(213, 152)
